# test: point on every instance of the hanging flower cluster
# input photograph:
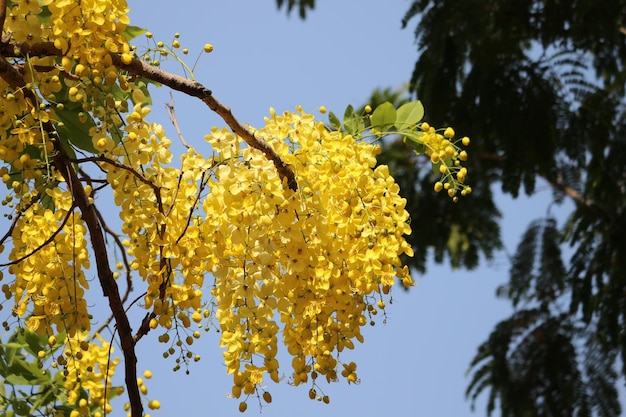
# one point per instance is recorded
(221, 239)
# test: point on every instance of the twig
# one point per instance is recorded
(120, 245)
(16, 219)
(571, 193)
(193, 207)
(172, 113)
(46, 242)
(138, 175)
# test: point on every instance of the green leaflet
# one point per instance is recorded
(74, 131)
(384, 117)
(409, 114)
(334, 121)
(353, 124)
(131, 32)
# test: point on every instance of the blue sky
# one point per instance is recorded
(415, 364)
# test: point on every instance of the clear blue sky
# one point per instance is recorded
(415, 364)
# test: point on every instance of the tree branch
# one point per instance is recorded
(175, 82)
(555, 184)
(63, 164)
(195, 89)
(3, 14)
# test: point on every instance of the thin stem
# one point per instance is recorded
(45, 242)
(172, 113)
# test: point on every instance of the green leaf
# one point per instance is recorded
(3, 395)
(383, 117)
(414, 137)
(14, 379)
(46, 201)
(74, 131)
(353, 124)
(10, 351)
(334, 121)
(25, 373)
(131, 32)
(3, 365)
(13, 345)
(409, 114)
(21, 407)
(142, 84)
(35, 342)
(348, 113)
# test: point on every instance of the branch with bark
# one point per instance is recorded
(65, 167)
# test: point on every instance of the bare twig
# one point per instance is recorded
(172, 113)
(16, 219)
(193, 206)
(138, 175)
(120, 246)
(45, 242)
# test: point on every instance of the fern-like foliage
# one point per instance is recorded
(543, 365)
(303, 6)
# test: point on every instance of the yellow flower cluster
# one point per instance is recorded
(321, 257)
(86, 366)
(305, 269)
(317, 262)
(446, 154)
(50, 251)
(85, 33)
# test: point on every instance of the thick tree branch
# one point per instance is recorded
(195, 89)
(175, 82)
(64, 166)
(3, 14)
